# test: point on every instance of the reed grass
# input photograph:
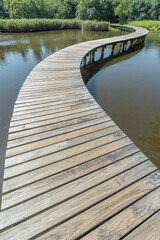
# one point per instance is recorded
(95, 26)
(33, 25)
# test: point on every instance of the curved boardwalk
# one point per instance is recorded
(70, 172)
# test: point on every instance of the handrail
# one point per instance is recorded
(136, 39)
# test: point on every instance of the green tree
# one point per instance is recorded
(116, 3)
(7, 4)
(70, 8)
(81, 12)
(123, 10)
(60, 8)
(2, 10)
(27, 9)
(95, 10)
(39, 8)
(141, 9)
(155, 10)
(52, 8)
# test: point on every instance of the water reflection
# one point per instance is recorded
(44, 43)
(129, 93)
(153, 142)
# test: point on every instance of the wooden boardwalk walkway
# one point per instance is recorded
(70, 172)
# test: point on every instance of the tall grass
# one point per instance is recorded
(33, 25)
(95, 26)
(149, 24)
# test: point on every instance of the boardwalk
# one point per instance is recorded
(70, 172)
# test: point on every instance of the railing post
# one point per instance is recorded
(102, 53)
(90, 57)
(113, 47)
(131, 44)
(93, 55)
(84, 61)
(120, 47)
(124, 44)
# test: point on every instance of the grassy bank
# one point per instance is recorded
(33, 25)
(149, 24)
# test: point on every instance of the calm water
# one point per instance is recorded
(128, 89)
(19, 54)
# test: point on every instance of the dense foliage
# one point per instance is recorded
(124, 10)
(101, 10)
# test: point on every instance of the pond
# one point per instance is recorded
(19, 54)
(128, 89)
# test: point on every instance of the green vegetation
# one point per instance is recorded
(100, 10)
(124, 10)
(95, 26)
(150, 25)
(32, 25)
(145, 10)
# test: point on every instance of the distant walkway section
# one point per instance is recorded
(70, 172)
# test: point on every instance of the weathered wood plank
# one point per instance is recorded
(82, 223)
(130, 218)
(51, 114)
(77, 225)
(50, 120)
(49, 106)
(149, 230)
(59, 125)
(54, 197)
(52, 140)
(61, 150)
(48, 169)
(75, 168)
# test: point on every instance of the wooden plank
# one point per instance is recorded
(61, 150)
(52, 140)
(75, 168)
(40, 105)
(59, 127)
(52, 98)
(86, 138)
(126, 221)
(45, 107)
(51, 119)
(148, 230)
(51, 114)
(67, 191)
(77, 225)
(45, 169)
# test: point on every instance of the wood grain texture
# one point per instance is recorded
(148, 230)
(70, 172)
